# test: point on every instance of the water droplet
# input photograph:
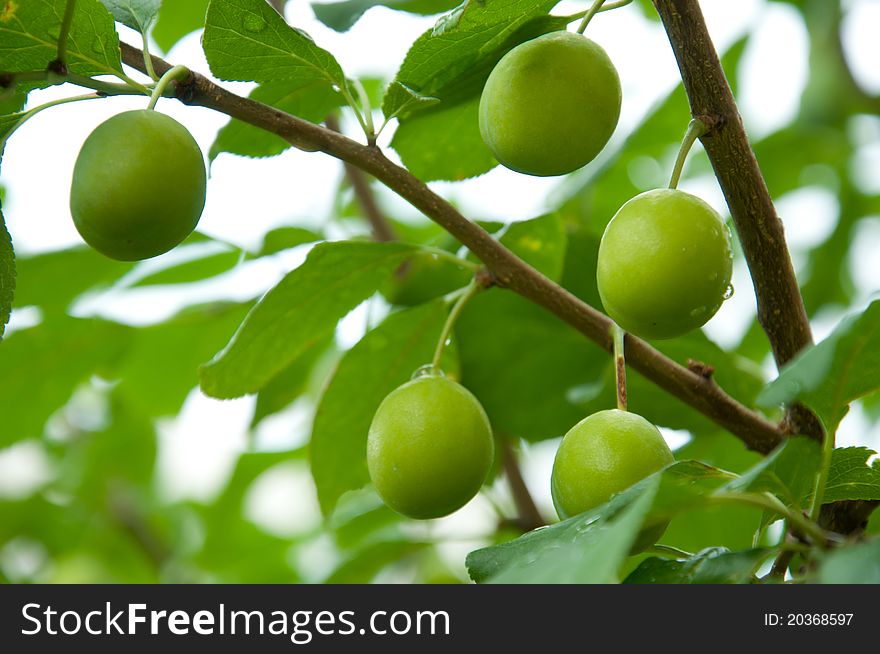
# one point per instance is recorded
(428, 370)
(698, 312)
(253, 23)
(728, 292)
(54, 31)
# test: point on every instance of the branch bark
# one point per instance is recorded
(781, 310)
(509, 271)
(529, 516)
(780, 306)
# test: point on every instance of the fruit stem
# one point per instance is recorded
(349, 99)
(366, 109)
(696, 129)
(32, 112)
(617, 336)
(174, 73)
(771, 503)
(470, 291)
(822, 478)
(452, 258)
(669, 552)
(592, 11)
(66, 24)
(148, 59)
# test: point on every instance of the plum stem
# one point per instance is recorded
(174, 73)
(617, 335)
(592, 11)
(469, 292)
(696, 129)
(33, 112)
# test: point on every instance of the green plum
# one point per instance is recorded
(550, 105)
(664, 264)
(429, 448)
(603, 455)
(138, 186)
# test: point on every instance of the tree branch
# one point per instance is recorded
(509, 271)
(382, 230)
(781, 311)
(780, 305)
(528, 515)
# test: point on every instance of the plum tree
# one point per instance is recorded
(664, 264)
(550, 105)
(429, 447)
(138, 186)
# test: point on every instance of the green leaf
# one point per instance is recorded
(341, 16)
(8, 122)
(285, 238)
(47, 280)
(298, 313)
(41, 367)
(587, 549)
(364, 565)
(246, 40)
(7, 275)
(136, 14)
(406, 100)
(683, 486)
(850, 477)
(383, 360)
(828, 376)
(312, 100)
(789, 471)
(856, 564)
(287, 385)
(444, 144)
(195, 270)
(177, 18)
(162, 365)
(452, 61)
(715, 565)
(29, 31)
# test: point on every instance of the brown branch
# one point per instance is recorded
(781, 309)
(780, 305)
(508, 270)
(529, 516)
(382, 230)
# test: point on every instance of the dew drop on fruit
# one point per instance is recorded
(427, 370)
(728, 292)
(698, 312)
(252, 23)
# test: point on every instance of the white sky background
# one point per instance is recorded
(248, 197)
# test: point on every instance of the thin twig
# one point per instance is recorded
(382, 230)
(529, 516)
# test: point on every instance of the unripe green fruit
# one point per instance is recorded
(603, 455)
(138, 186)
(664, 264)
(429, 448)
(550, 105)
